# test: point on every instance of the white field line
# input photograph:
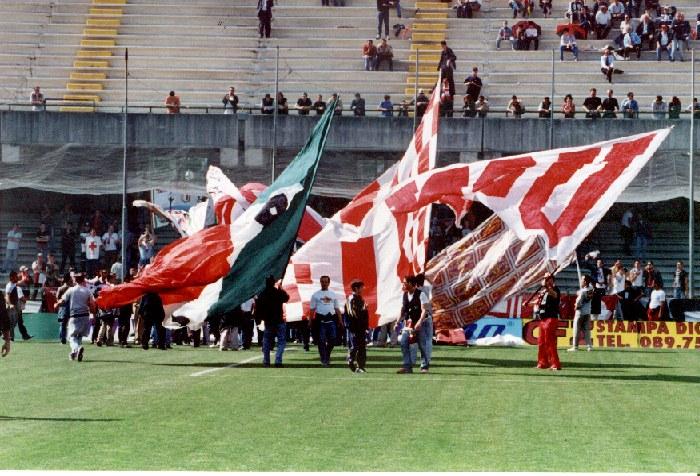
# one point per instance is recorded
(230, 366)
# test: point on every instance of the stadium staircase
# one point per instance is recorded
(92, 60)
(201, 47)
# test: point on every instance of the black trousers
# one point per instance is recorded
(265, 26)
(124, 325)
(67, 257)
(148, 323)
(20, 325)
(247, 330)
(358, 348)
(447, 72)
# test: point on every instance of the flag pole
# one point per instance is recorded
(415, 94)
(551, 109)
(691, 181)
(274, 116)
(124, 138)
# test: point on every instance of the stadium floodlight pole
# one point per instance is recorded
(691, 181)
(274, 113)
(551, 108)
(124, 137)
(415, 94)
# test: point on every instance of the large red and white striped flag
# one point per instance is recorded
(365, 241)
(544, 205)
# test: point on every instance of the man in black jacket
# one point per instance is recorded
(383, 18)
(358, 323)
(265, 17)
(268, 309)
(448, 62)
(153, 314)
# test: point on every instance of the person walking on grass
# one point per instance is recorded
(81, 304)
(582, 317)
(413, 315)
(358, 323)
(268, 309)
(4, 327)
(548, 313)
(326, 312)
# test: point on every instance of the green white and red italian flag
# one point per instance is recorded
(232, 260)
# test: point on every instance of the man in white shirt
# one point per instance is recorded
(325, 311)
(14, 298)
(93, 243)
(14, 237)
(568, 43)
(603, 20)
(111, 243)
(657, 303)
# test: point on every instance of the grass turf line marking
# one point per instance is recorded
(235, 364)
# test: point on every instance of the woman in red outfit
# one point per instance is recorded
(548, 312)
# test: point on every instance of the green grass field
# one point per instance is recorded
(478, 409)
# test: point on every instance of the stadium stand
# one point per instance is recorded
(200, 48)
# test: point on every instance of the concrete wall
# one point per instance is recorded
(494, 134)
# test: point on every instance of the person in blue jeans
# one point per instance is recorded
(417, 331)
(325, 310)
(268, 309)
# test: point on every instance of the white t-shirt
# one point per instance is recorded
(110, 241)
(13, 239)
(92, 247)
(248, 305)
(637, 282)
(423, 298)
(10, 286)
(324, 302)
(657, 297)
(618, 282)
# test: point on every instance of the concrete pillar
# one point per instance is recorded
(257, 157)
(229, 158)
(9, 154)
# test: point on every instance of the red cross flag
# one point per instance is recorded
(544, 205)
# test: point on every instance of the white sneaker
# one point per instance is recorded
(573, 349)
(589, 348)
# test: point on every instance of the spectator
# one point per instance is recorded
(647, 32)
(630, 43)
(404, 107)
(68, 238)
(369, 55)
(482, 107)
(663, 43)
(338, 110)
(469, 107)
(603, 23)
(358, 106)
(517, 7)
(464, 9)
(230, 101)
(545, 109)
(383, 18)
(546, 6)
(268, 105)
(385, 53)
(421, 103)
(303, 105)
(37, 100)
(111, 243)
(630, 107)
(568, 43)
(607, 65)
(446, 99)
(667, 15)
(146, 245)
(319, 106)
(617, 11)
(658, 108)
(674, 108)
(568, 107)
(695, 108)
(505, 34)
(697, 26)
(42, 239)
(626, 230)
(93, 244)
(642, 235)
(515, 107)
(610, 106)
(386, 107)
(657, 303)
(474, 85)
(14, 238)
(592, 105)
(265, 17)
(531, 34)
(680, 282)
(573, 13)
(447, 65)
(172, 103)
(625, 27)
(633, 7)
(680, 30)
(282, 107)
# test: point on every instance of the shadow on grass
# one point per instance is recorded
(526, 363)
(57, 419)
(693, 379)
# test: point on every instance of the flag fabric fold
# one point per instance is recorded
(544, 205)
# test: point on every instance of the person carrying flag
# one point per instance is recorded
(548, 313)
(268, 309)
